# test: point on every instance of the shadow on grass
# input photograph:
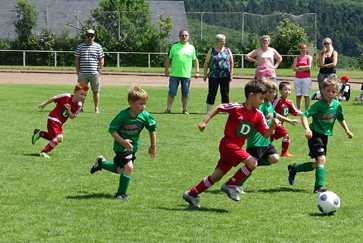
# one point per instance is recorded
(86, 195)
(278, 189)
(32, 154)
(321, 215)
(202, 209)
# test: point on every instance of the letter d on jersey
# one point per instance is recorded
(244, 129)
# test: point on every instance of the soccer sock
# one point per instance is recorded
(201, 186)
(240, 176)
(52, 143)
(109, 165)
(308, 166)
(123, 184)
(285, 144)
(319, 176)
(44, 134)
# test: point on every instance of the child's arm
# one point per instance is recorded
(45, 103)
(305, 123)
(286, 119)
(152, 148)
(126, 143)
(346, 129)
(203, 124)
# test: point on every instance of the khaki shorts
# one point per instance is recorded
(93, 79)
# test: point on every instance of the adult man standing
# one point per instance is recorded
(180, 58)
(89, 60)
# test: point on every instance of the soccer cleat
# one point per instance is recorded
(193, 201)
(292, 174)
(319, 190)
(97, 165)
(185, 112)
(44, 155)
(121, 196)
(233, 192)
(36, 136)
(286, 154)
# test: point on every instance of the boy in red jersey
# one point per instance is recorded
(242, 119)
(284, 107)
(67, 106)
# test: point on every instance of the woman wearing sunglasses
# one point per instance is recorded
(328, 59)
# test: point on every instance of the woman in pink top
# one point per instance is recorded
(267, 59)
(301, 66)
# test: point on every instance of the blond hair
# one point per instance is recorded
(330, 81)
(265, 37)
(137, 93)
(220, 37)
(270, 85)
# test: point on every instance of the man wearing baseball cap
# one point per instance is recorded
(89, 61)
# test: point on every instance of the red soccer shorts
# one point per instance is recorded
(230, 156)
(280, 132)
(54, 129)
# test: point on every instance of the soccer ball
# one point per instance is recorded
(328, 202)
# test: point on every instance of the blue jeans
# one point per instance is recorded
(174, 83)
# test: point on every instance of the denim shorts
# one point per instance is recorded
(174, 84)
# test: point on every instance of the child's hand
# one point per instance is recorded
(201, 126)
(67, 106)
(126, 143)
(41, 106)
(294, 122)
(308, 134)
(349, 134)
(152, 151)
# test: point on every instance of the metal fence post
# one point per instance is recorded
(55, 59)
(148, 60)
(24, 59)
(118, 60)
(242, 62)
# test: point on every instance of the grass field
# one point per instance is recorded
(57, 200)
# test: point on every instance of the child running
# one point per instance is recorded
(259, 146)
(125, 129)
(324, 113)
(67, 106)
(242, 120)
(284, 107)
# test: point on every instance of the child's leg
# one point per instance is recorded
(320, 173)
(243, 173)
(52, 143)
(125, 178)
(285, 146)
(44, 134)
(54, 135)
(207, 182)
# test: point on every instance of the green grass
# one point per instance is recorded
(57, 200)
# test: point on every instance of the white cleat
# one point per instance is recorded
(233, 192)
(193, 201)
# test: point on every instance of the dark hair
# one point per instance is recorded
(283, 84)
(255, 87)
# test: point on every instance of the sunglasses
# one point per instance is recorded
(326, 43)
(90, 36)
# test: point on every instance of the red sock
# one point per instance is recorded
(241, 175)
(202, 186)
(52, 143)
(285, 145)
(44, 134)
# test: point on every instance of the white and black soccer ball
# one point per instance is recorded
(328, 202)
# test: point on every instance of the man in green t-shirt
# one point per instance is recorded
(180, 58)
(324, 113)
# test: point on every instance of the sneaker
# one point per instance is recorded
(319, 190)
(193, 201)
(44, 155)
(233, 192)
(97, 165)
(286, 154)
(97, 110)
(121, 196)
(36, 136)
(185, 112)
(292, 174)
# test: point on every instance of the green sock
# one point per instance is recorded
(308, 166)
(319, 176)
(109, 165)
(123, 184)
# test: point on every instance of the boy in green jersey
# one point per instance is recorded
(324, 113)
(125, 129)
(259, 146)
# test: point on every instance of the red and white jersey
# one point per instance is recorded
(59, 113)
(285, 107)
(241, 121)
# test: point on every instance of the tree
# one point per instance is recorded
(25, 22)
